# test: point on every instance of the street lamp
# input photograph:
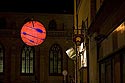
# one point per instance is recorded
(78, 39)
(73, 53)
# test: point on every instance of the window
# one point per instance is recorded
(1, 58)
(55, 60)
(2, 23)
(27, 60)
(52, 25)
(116, 69)
(108, 71)
(112, 68)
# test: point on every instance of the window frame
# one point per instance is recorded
(32, 48)
(3, 58)
(61, 54)
(52, 25)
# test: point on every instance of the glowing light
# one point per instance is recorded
(120, 28)
(81, 47)
(71, 53)
(33, 33)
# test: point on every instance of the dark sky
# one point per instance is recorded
(40, 6)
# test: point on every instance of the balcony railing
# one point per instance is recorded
(59, 33)
(16, 33)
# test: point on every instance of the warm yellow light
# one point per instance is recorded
(71, 53)
(121, 28)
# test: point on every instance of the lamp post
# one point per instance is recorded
(73, 54)
(78, 40)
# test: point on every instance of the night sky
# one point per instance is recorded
(39, 6)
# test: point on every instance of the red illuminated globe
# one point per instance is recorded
(33, 33)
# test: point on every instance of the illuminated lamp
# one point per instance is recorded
(33, 33)
(71, 53)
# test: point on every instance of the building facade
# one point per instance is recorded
(20, 63)
(105, 31)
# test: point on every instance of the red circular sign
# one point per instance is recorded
(33, 33)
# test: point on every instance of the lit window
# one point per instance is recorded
(27, 60)
(1, 59)
(55, 60)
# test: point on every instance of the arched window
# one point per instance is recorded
(3, 22)
(52, 25)
(1, 59)
(55, 60)
(27, 60)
